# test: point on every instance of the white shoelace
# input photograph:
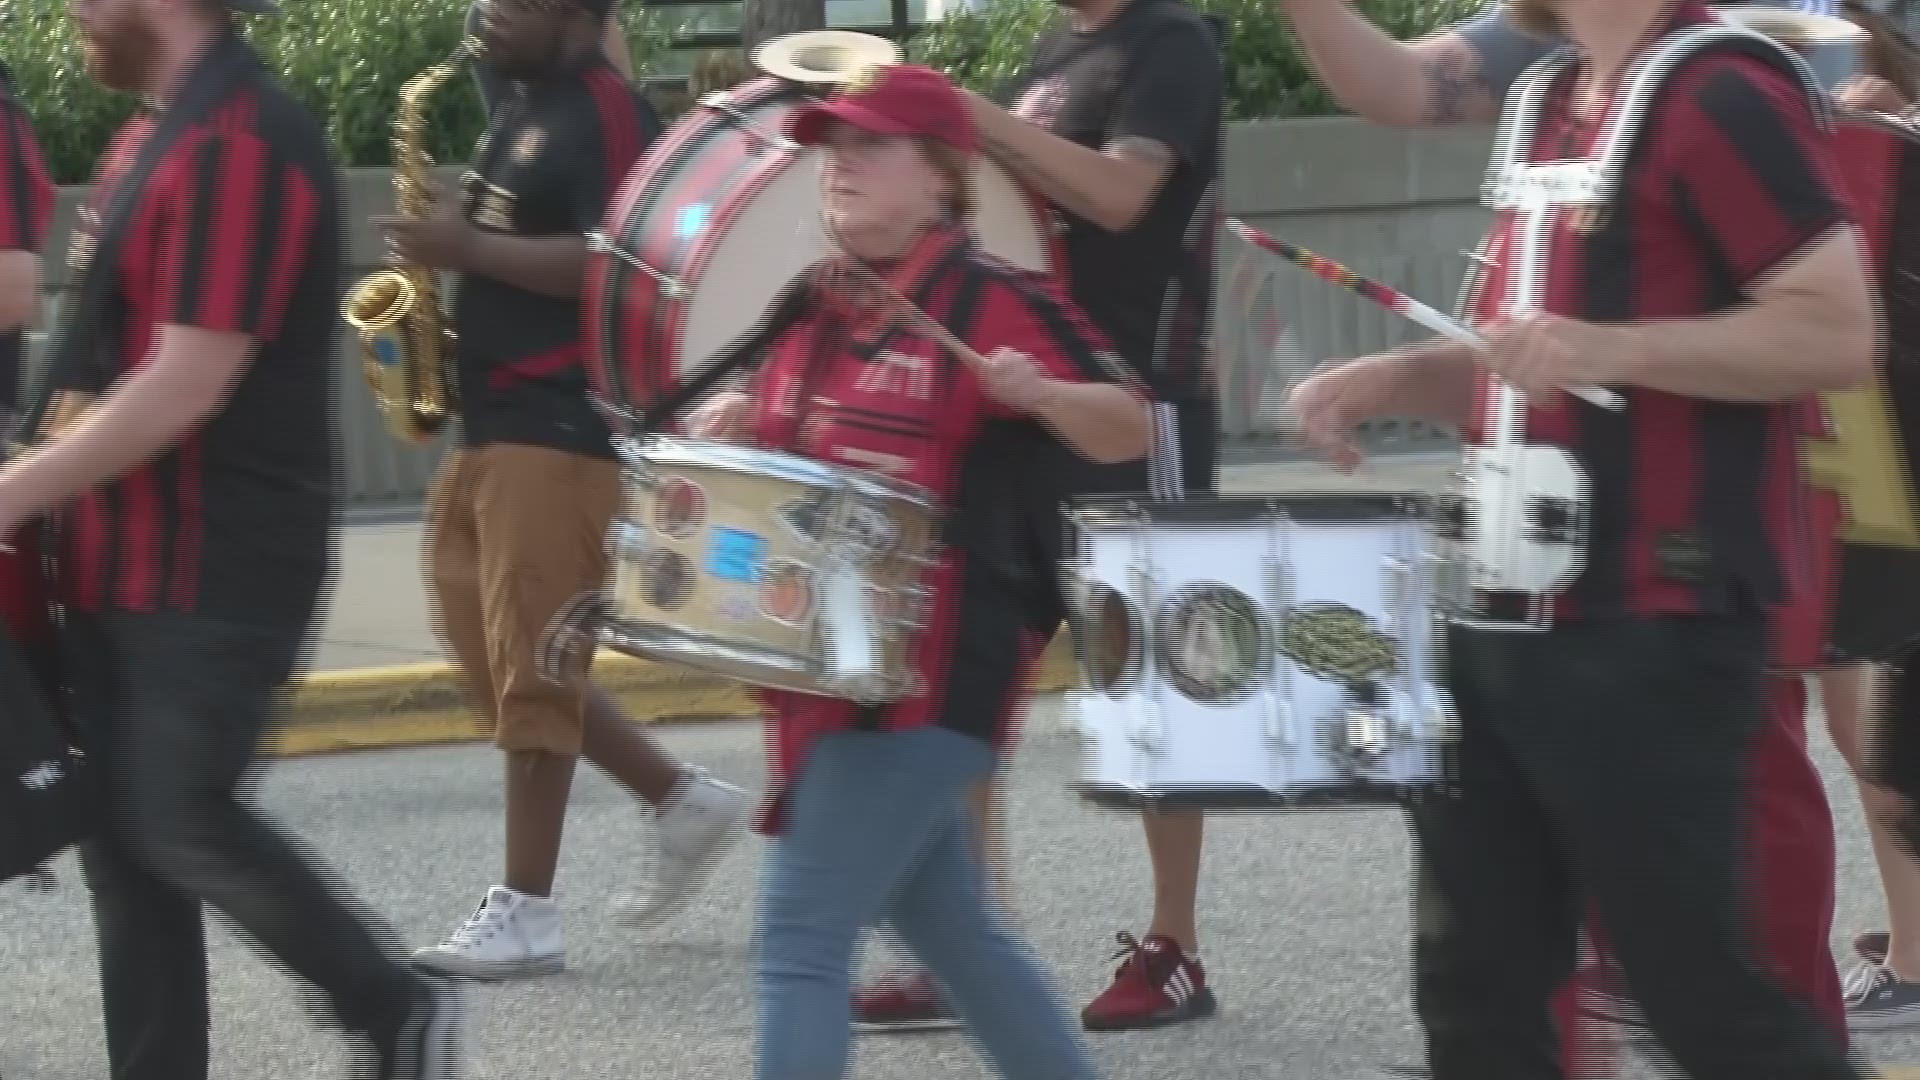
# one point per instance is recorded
(482, 926)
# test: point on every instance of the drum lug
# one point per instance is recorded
(1147, 732)
(1279, 727)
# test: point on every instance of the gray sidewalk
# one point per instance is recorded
(378, 615)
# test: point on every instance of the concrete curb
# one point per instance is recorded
(425, 705)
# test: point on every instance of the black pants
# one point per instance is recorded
(1610, 761)
(175, 708)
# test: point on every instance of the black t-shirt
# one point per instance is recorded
(1154, 72)
(553, 154)
(237, 230)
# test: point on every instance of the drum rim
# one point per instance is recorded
(673, 450)
(641, 191)
(1105, 513)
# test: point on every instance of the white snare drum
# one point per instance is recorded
(776, 570)
(1257, 652)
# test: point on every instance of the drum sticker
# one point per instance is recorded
(1214, 644)
(679, 507)
(692, 220)
(1338, 644)
(667, 581)
(786, 593)
(736, 555)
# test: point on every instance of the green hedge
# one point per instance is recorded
(1266, 74)
(346, 59)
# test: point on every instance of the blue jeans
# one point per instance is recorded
(878, 830)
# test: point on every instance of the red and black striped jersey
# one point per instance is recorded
(26, 209)
(884, 400)
(554, 152)
(1698, 506)
(237, 230)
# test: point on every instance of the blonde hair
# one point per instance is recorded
(957, 166)
(719, 69)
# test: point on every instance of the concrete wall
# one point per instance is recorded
(1401, 207)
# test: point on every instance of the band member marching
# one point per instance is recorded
(1461, 75)
(1118, 121)
(26, 209)
(1615, 748)
(870, 807)
(193, 484)
(518, 515)
(494, 87)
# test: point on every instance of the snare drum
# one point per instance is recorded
(775, 570)
(1257, 652)
(719, 215)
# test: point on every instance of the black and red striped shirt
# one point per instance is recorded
(237, 230)
(554, 152)
(894, 403)
(1697, 506)
(26, 209)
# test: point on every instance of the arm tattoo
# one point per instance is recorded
(1456, 89)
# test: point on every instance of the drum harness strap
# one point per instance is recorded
(1535, 192)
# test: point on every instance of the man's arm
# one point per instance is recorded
(1811, 327)
(1458, 75)
(549, 265)
(1168, 111)
(1433, 381)
(1111, 188)
(189, 378)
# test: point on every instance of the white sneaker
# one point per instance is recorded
(694, 829)
(511, 935)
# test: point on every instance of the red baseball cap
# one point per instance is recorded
(895, 99)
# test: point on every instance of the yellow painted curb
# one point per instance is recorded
(424, 704)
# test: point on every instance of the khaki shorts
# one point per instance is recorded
(513, 533)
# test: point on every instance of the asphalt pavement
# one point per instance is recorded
(1305, 925)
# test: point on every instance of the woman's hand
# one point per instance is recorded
(721, 418)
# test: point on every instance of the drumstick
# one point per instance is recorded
(1392, 299)
(853, 281)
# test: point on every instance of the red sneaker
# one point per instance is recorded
(1157, 985)
(909, 1002)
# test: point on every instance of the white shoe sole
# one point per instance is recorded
(468, 968)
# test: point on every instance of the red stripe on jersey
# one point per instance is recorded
(535, 367)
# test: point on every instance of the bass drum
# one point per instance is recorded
(715, 220)
(1866, 457)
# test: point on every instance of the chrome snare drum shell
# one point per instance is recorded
(776, 570)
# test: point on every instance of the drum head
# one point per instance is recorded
(725, 213)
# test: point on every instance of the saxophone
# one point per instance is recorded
(406, 344)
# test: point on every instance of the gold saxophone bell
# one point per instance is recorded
(406, 344)
(825, 57)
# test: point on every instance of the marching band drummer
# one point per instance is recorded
(869, 804)
(1460, 75)
(519, 512)
(1610, 755)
